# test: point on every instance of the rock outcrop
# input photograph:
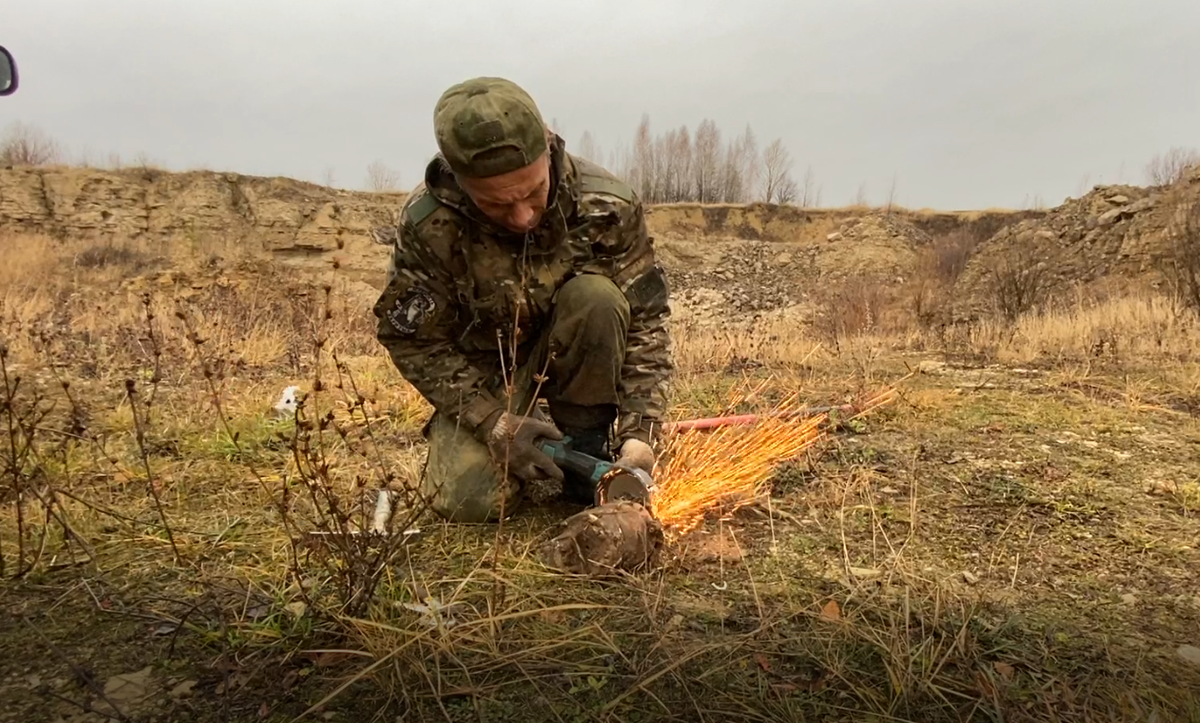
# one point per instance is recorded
(285, 215)
(1111, 233)
(722, 260)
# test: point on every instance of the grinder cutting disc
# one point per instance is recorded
(622, 483)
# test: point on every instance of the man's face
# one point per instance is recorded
(514, 200)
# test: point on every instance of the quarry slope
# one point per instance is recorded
(749, 259)
(1112, 235)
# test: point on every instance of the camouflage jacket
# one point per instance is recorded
(459, 287)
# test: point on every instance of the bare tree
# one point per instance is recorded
(327, 176)
(860, 198)
(620, 163)
(891, 195)
(751, 165)
(683, 154)
(787, 190)
(776, 172)
(382, 178)
(642, 170)
(739, 167)
(146, 162)
(85, 158)
(810, 193)
(588, 148)
(1172, 166)
(1085, 182)
(706, 162)
(661, 166)
(679, 166)
(733, 174)
(673, 161)
(25, 145)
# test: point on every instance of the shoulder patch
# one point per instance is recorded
(599, 184)
(420, 209)
(411, 310)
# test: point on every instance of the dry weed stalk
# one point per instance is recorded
(22, 419)
(28, 458)
(350, 551)
(1021, 280)
(140, 425)
(509, 373)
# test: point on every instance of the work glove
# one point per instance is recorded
(636, 453)
(512, 443)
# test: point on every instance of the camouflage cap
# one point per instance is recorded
(488, 126)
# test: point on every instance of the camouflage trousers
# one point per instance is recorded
(581, 352)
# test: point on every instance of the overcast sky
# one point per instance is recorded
(966, 103)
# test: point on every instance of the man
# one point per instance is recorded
(520, 272)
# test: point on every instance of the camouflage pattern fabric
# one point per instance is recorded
(464, 294)
(583, 346)
(488, 126)
(467, 302)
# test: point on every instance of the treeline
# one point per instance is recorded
(705, 166)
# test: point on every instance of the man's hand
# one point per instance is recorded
(636, 453)
(512, 442)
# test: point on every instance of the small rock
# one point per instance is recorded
(1143, 205)
(1110, 217)
(833, 236)
(1190, 653)
(183, 690)
(929, 366)
(1129, 598)
(969, 577)
(1118, 200)
(128, 688)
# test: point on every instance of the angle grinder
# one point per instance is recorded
(611, 481)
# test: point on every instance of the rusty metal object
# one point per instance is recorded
(614, 538)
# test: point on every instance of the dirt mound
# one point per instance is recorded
(877, 244)
(289, 217)
(1111, 233)
(723, 260)
(714, 277)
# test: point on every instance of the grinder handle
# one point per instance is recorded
(578, 463)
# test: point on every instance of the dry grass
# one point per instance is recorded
(998, 544)
(1141, 329)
